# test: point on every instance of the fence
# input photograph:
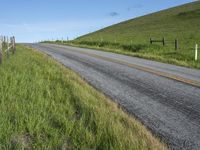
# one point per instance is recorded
(176, 44)
(163, 41)
(7, 44)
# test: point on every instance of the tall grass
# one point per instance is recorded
(43, 105)
(153, 52)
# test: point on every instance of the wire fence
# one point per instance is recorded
(7, 47)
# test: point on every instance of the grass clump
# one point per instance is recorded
(43, 105)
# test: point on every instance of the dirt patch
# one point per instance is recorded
(23, 141)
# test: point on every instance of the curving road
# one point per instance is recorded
(165, 98)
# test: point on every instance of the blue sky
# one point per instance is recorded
(34, 20)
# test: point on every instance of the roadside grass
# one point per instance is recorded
(132, 37)
(151, 52)
(44, 105)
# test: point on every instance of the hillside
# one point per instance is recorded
(181, 22)
(133, 37)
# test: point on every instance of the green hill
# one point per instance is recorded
(181, 22)
(132, 37)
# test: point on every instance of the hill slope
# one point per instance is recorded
(181, 22)
(132, 37)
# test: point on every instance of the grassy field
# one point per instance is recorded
(43, 105)
(132, 37)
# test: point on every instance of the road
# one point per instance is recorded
(165, 98)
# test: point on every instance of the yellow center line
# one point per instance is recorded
(145, 69)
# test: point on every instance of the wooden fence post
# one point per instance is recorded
(7, 52)
(11, 42)
(1, 51)
(176, 44)
(14, 44)
(163, 41)
(151, 41)
(4, 41)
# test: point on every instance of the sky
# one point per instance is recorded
(36, 20)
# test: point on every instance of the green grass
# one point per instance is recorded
(132, 37)
(44, 105)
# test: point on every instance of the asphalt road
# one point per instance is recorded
(165, 98)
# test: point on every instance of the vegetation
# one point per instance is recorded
(133, 37)
(43, 105)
